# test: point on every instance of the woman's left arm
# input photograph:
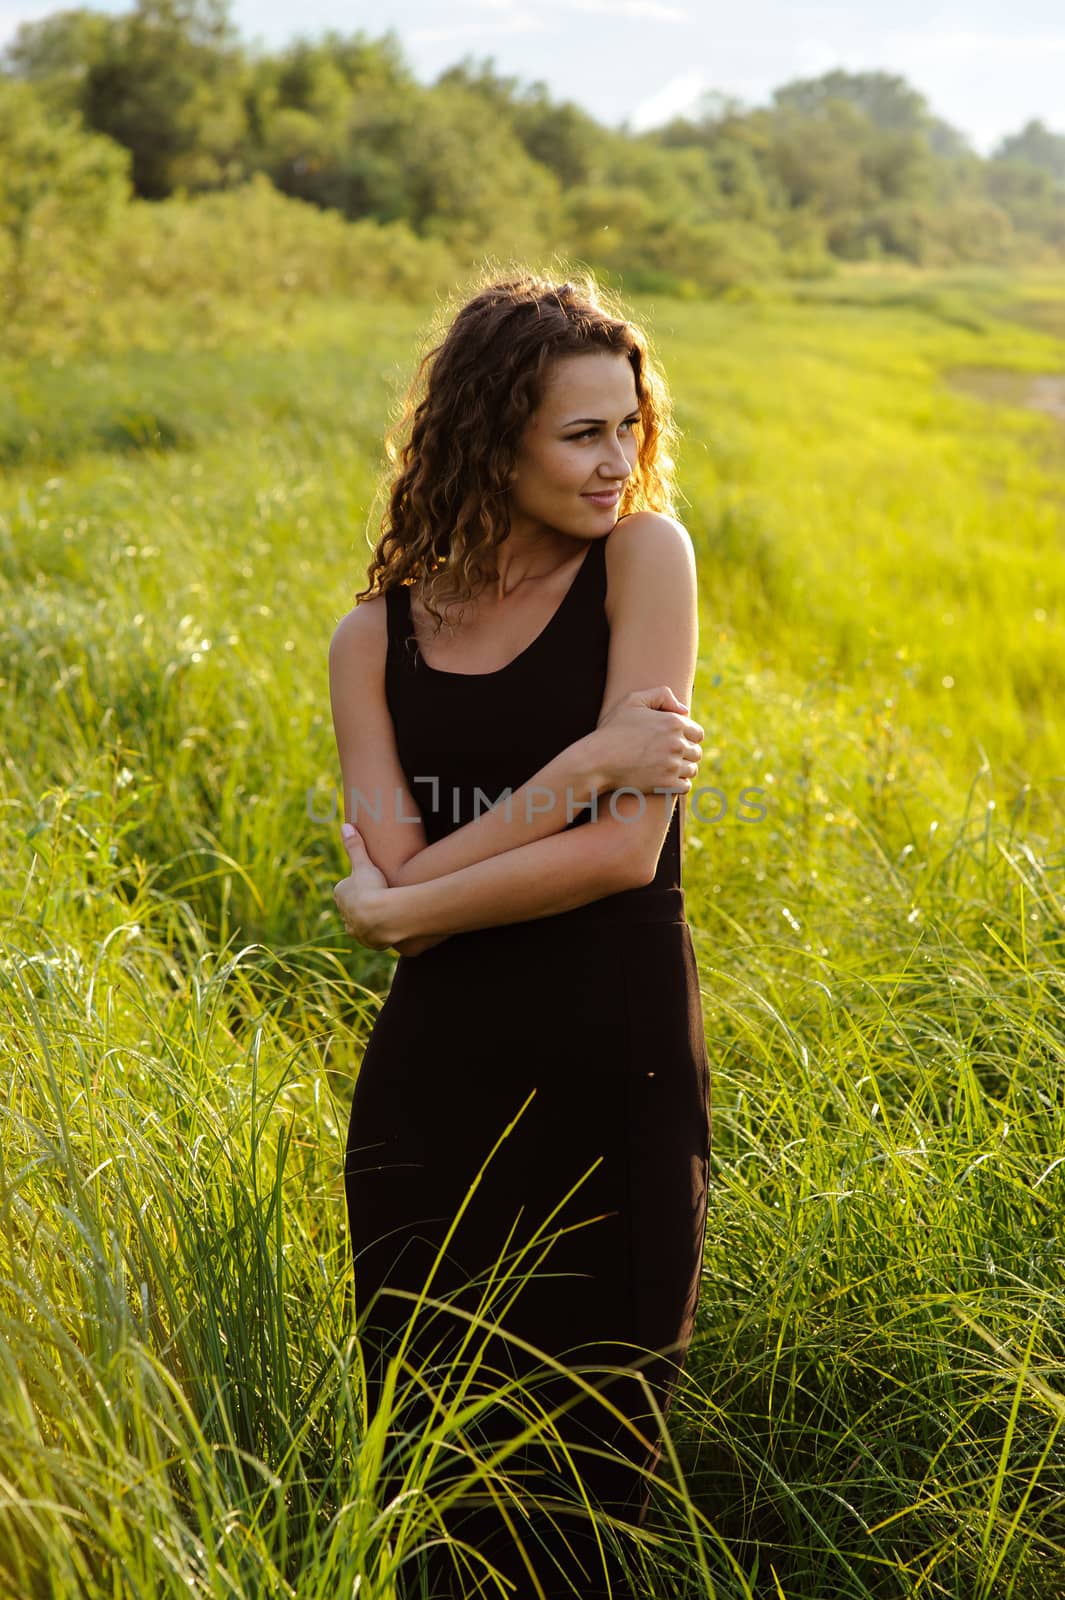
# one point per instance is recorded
(535, 880)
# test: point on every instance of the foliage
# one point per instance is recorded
(60, 191)
(845, 166)
(221, 259)
(1036, 146)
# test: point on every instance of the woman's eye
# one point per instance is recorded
(628, 423)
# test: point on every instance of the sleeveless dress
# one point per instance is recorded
(593, 1017)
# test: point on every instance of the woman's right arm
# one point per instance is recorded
(637, 751)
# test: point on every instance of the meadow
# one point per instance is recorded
(874, 1398)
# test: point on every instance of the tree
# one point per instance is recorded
(561, 137)
(465, 177)
(889, 102)
(55, 54)
(167, 83)
(60, 187)
(946, 141)
(1028, 195)
(1037, 146)
(820, 158)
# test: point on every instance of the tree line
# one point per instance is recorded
(165, 104)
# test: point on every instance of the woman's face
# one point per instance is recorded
(581, 441)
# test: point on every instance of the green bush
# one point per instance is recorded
(61, 190)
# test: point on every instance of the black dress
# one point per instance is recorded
(594, 1013)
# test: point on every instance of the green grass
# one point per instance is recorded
(875, 1394)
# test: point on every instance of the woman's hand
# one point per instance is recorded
(362, 897)
(647, 742)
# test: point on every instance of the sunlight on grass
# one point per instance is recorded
(873, 1401)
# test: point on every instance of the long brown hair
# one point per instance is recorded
(466, 408)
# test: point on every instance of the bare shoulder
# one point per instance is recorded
(359, 634)
(647, 547)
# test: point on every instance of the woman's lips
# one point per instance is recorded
(610, 498)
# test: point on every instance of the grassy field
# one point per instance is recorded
(875, 1396)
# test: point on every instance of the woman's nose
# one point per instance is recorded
(619, 465)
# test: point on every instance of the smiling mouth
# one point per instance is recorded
(608, 496)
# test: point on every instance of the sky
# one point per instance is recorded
(985, 66)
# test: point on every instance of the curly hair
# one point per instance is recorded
(483, 380)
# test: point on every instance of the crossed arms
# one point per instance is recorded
(516, 863)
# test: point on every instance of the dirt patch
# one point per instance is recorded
(1048, 394)
(1041, 391)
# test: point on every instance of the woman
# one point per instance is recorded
(543, 1021)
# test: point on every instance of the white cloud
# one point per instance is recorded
(653, 10)
(649, 10)
(814, 57)
(514, 18)
(952, 44)
(513, 22)
(674, 98)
